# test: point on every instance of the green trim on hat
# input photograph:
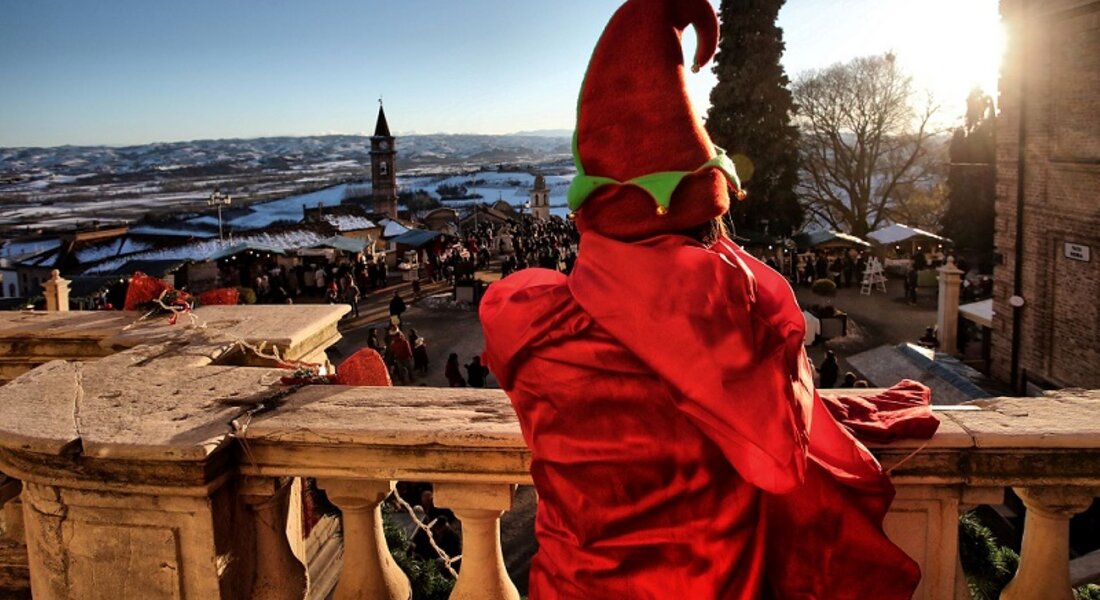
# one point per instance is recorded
(660, 186)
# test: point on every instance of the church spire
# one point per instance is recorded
(381, 128)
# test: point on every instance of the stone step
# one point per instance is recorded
(15, 576)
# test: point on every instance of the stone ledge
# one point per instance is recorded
(472, 435)
(164, 399)
(391, 416)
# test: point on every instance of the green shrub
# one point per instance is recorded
(824, 287)
(247, 295)
(428, 578)
(989, 566)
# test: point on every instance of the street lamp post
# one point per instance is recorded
(219, 199)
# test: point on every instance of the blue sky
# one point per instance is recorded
(137, 71)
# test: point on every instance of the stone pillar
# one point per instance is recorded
(369, 570)
(478, 507)
(279, 575)
(947, 318)
(1044, 554)
(131, 542)
(57, 292)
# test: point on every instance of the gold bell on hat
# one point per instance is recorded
(662, 211)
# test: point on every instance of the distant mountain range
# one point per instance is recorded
(276, 154)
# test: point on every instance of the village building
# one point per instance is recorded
(1046, 318)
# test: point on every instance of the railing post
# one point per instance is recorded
(1044, 554)
(947, 317)
(478, 507)
(56, 290)
(279, 574)
(369, 571)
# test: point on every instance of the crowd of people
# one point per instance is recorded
(523, 243)
(844, 268)
(340, 280)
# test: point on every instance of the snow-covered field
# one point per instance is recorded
(54, 188)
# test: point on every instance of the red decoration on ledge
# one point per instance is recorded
(220, 297)
(144, 290)
(365, 367)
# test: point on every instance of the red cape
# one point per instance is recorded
(679, 448)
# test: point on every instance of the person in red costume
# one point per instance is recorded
(679, 448)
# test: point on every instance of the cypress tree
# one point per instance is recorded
(750, 115)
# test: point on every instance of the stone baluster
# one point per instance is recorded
(478, 507)
(279, 574)
(56, 290)
(369, 571)
(1044, 554)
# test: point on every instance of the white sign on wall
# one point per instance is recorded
(1079, 252)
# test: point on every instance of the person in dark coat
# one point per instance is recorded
(453, 373)
(397, 306)
(821, 267)
(420, 356)
(476, 372)
(829, 370)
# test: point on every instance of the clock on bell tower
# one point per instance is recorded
(383, 161)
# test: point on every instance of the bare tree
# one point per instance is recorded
(864, 143)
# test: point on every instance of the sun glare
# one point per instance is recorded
(950, 48)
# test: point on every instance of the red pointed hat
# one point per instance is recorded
(645, 164)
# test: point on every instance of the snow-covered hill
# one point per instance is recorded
(77, 164)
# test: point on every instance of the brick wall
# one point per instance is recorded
(1051, 76)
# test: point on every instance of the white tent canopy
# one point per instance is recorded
(895, 234)
(979, 312)
(393, 228)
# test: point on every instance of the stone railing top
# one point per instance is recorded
(89, 325)
(291, 327)
(473, 434)
(395, 416)
(295, 329)
(164, 399)
(124, 407)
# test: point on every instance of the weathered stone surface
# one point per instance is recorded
(132, 411)
(39, 326)
(29, 339)
(401, 416)
(161, 400)
(125, 493)
(36, 410)
(1067, 419)
(295, 330)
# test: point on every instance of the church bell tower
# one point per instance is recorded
(540, 199)
(383, 167)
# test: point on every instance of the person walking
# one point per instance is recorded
(402, 358)
(420, 356)
(397, 307)
(351, 295)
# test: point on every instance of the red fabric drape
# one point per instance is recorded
(678, 446)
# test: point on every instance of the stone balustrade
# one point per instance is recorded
(170, 469)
